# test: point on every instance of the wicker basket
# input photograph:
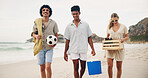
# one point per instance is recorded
(112, 45)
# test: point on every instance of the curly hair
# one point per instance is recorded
(45, 6)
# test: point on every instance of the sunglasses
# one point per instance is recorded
(114, 20)
(45, 9)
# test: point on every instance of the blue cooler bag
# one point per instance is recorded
(94, 67)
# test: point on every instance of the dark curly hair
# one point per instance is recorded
(46, 6)
(75, 8)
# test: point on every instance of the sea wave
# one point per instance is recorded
(14, 48)
(6, 46)
(11, 42)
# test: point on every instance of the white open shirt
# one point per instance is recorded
(78, 37)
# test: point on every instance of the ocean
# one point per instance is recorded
(12, 52)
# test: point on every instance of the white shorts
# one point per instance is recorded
(82, 56)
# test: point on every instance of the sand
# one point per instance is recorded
(135, 65)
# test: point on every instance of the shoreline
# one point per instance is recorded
(137, 42)
(61, 69)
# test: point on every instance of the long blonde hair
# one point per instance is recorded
(112, 16)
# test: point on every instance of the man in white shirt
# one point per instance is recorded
(77, 35)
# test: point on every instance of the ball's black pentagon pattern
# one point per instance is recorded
(55, 39)
(50, 36)
(54, 44)
(50, 42)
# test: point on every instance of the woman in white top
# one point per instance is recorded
(116, 31)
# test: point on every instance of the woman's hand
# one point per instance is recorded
(122, 40)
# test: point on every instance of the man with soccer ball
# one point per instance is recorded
(48, 27)
(78, 35)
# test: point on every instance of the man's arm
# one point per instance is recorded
(91, 45)
(56, 34)
(66, 48)
(35, 32)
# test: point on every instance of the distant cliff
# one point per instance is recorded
(29, 40)
(95, 38)
(139, 32)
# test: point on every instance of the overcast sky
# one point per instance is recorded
(17, 16)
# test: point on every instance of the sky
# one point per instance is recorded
(17, 16)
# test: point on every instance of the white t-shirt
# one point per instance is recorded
(119, 33)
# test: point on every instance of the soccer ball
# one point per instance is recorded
(51, 40)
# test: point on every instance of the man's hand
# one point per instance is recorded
(65, 57)
(38, 37)
(93, 53)
(53, 45)
(91, 45)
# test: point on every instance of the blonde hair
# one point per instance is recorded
(112, 16)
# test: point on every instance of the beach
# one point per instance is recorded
(135, 64)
